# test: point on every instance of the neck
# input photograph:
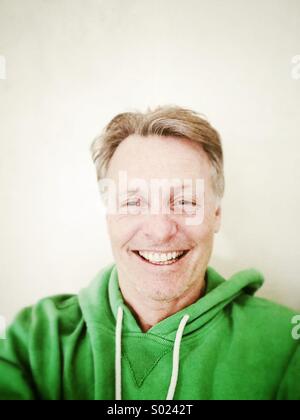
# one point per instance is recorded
(150, 312)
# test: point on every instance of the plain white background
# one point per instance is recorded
(71, 65)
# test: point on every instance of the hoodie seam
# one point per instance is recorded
(148, 372)
(155, 338)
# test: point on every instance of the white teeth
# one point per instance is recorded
(160, 257)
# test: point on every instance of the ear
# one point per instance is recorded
(218, 217)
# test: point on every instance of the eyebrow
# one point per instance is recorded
(173, 187)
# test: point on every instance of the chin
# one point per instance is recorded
(161, 293)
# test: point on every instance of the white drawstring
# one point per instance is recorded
(118, 353)
(176, 353)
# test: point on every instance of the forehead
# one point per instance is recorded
(159, 157)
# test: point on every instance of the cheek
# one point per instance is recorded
(120, 231)
(201, 234)
(207, 228)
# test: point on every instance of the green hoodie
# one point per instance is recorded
(231, 346)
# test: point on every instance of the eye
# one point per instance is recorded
(186, 203)
(132, 203)
(135, 206)
(185, 206)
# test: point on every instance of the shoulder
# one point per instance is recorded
(267, 321)
(60, 312)
(264, 309)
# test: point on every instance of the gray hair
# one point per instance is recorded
(166, 121)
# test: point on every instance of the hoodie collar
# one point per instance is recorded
(103, 298)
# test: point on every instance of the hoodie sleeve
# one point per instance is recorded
(15, 377)
(290, 385)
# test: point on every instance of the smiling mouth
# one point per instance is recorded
(171, 261)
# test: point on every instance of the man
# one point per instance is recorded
(159, 323)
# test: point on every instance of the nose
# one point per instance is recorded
(159, 228)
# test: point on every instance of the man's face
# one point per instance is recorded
(156, 236)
